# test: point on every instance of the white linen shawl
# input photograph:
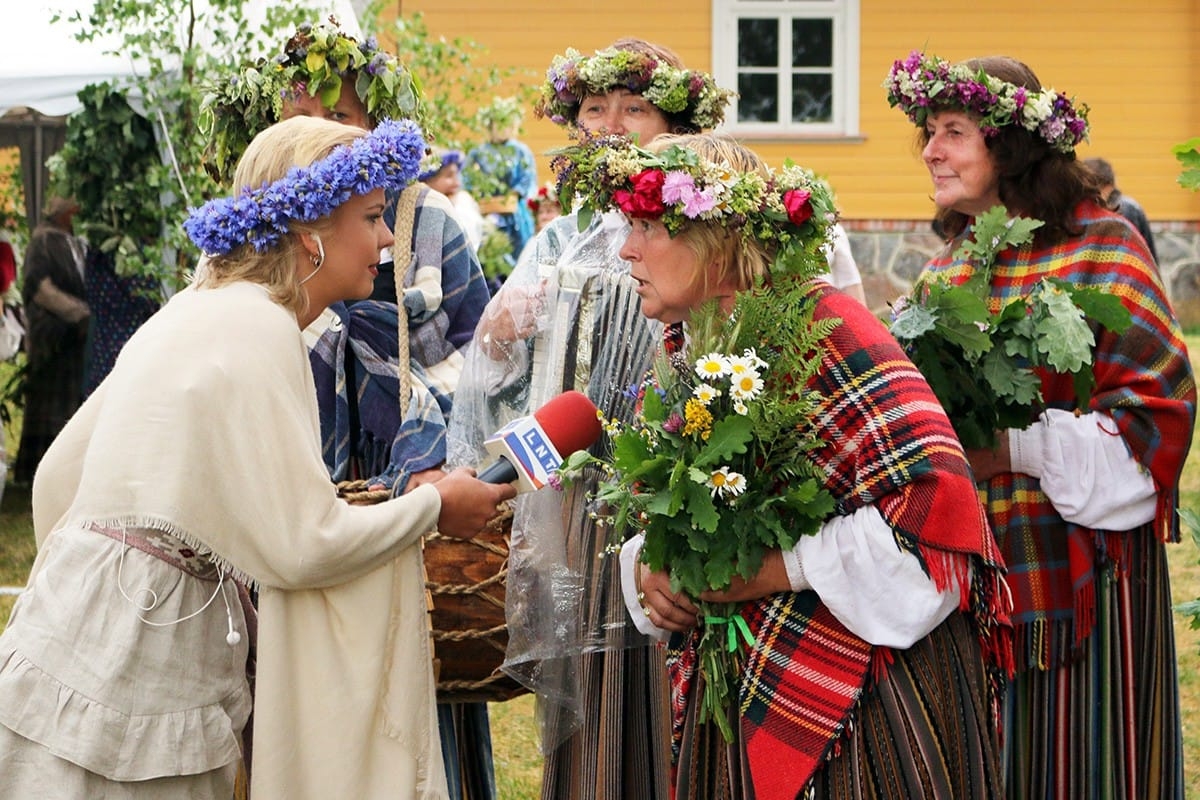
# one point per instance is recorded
(207, 428)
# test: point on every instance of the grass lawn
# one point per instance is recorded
(514, 726)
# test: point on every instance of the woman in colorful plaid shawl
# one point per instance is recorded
(878, 642)
(1081, 500)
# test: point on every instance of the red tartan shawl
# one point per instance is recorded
(1143, 379)
(887, 442)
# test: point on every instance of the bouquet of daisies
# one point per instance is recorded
(713, 468)
(981, 365)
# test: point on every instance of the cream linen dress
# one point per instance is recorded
(109, 697)
(207, 429)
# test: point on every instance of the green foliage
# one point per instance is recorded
(453, 75)
(179, 47)
(714, 468)
(108, 163)
(1188, 154)
(13, 218)
(495, 253)
(489, 169)
(500, 116)
(981, 365)
(13, 376)
(134, 206)
(1190, 608)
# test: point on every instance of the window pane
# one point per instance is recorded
(758, 42)
(812, 98)
(812, 43)
(759, 98)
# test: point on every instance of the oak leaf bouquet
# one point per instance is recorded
(982, 365)
(713, 468)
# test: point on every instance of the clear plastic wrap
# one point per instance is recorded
(567, 318)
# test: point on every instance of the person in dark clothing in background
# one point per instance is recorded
(1123, 204)
(56, 313)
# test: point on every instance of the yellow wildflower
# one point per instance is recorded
(698, 419)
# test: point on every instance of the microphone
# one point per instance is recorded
(528, 449)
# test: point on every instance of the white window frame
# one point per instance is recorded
(845, 17)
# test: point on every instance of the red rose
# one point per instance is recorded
(645, 201)
(799, 210)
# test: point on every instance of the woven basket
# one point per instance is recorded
(503, 204)
(465, 581)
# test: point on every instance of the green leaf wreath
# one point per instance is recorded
(981, 365)
(714, 468)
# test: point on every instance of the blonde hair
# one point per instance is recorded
(739, 259)
(295, 142)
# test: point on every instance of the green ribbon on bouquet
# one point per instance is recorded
(737, 624)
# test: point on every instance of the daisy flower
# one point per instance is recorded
(746, 386)
(726, 483)
(713, 365)
(706, 393)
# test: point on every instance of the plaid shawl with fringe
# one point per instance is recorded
(888, 443)
(359, 433)
(445, 291)
(355, 360)
(1143, 379)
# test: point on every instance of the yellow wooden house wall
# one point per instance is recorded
(1136, 65)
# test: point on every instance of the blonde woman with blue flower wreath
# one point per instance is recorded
(1082, 496)
(871, 652)
(567, 318)
(431, 282)
(192, 477)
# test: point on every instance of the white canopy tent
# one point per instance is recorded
(43, 68)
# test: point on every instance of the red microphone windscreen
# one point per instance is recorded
(570, 422)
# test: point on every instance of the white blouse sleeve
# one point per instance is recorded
(630, 553)
(843, 270)
(877, 590)
(1086, 470)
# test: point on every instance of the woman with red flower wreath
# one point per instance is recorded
(876, 648)
(545, 206)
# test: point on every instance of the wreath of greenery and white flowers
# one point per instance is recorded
(315, 60)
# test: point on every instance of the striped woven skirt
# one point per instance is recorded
(924, 730)
(618, 747)
(1105, 726)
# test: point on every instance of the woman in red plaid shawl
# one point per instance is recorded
(878, 641)
(1083, 499)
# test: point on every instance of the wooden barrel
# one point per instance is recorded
(465, 583)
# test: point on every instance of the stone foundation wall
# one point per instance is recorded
(890, 261)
